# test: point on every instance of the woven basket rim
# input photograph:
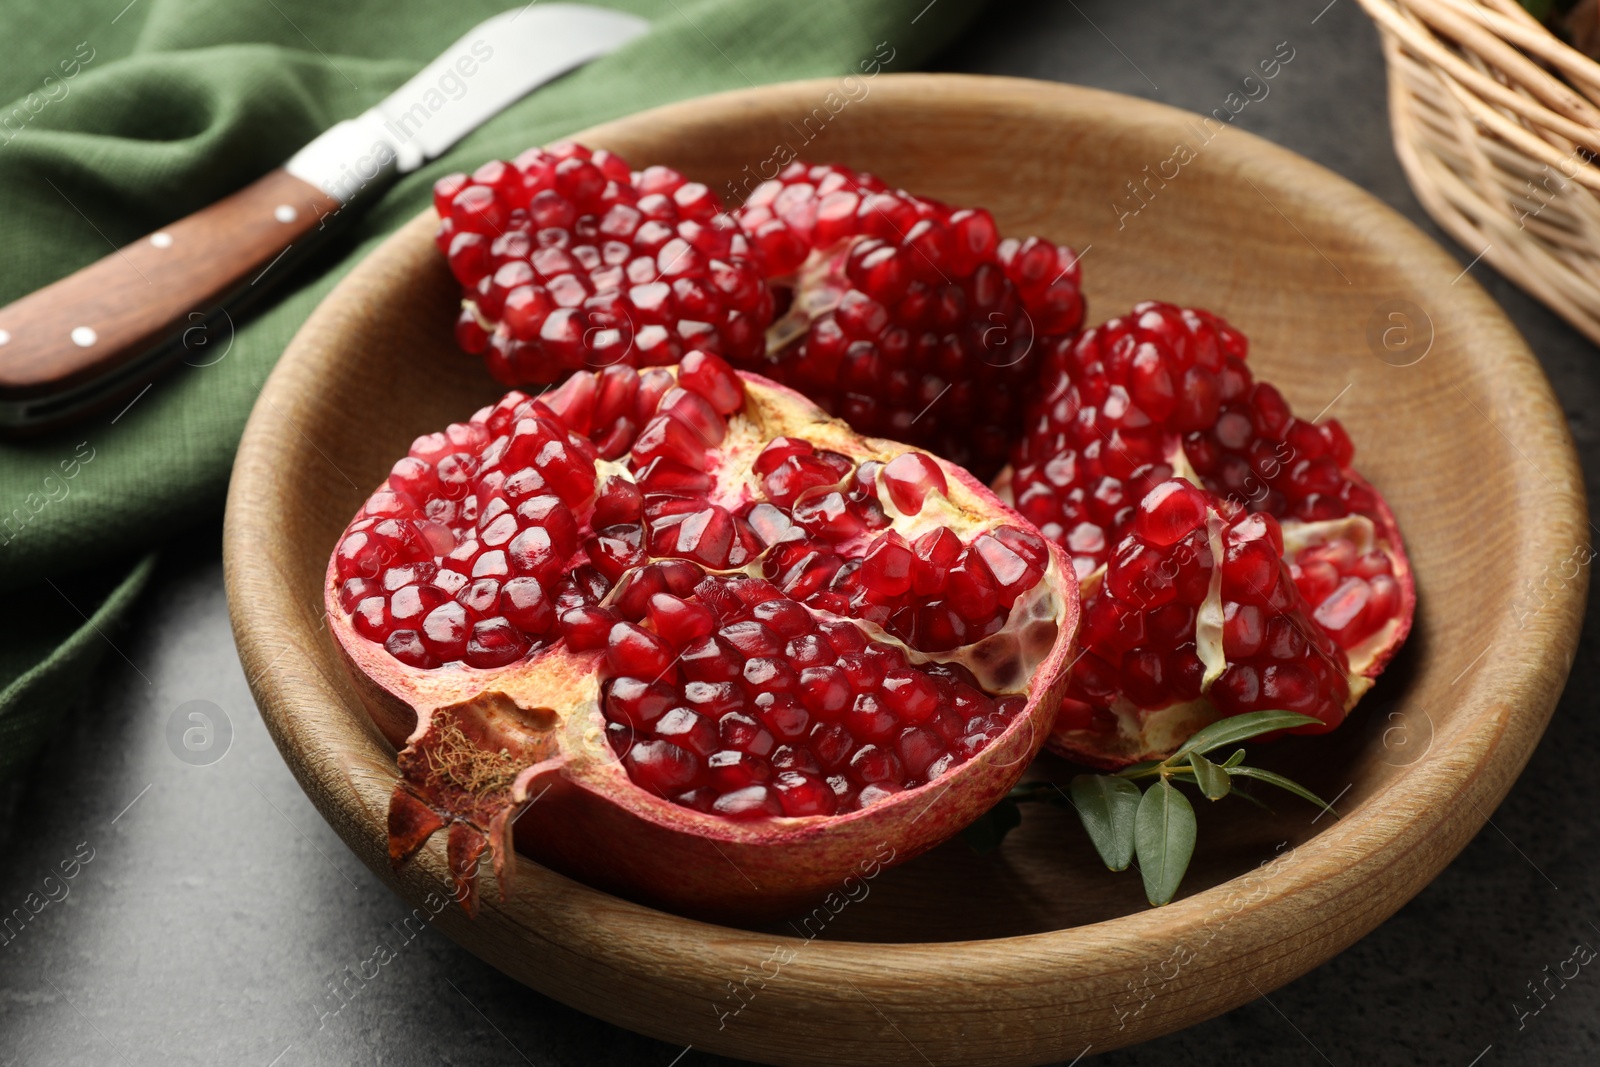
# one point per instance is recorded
(1496, 122)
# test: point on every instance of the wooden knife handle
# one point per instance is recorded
(89, 323)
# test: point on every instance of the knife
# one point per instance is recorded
(87, 341)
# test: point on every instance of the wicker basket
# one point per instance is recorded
(1497, 123)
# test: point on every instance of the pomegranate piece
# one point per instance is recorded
(568, 259)
(908, 318)
(1231, 560)
(723, 662)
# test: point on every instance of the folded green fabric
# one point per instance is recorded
(123, 122)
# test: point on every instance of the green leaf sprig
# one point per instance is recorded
(1155, 825)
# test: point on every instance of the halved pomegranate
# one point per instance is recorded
(713, 647)
(904, 316)
(1231, 560)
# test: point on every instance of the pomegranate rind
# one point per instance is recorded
(479, 748)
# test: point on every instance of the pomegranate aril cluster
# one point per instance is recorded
(1352, 594)
(1257, 453)
(910, 320)
(1097, 437)
(456, 561)
(731, 698)
(1118, 399)
(568, 259)
(830, 548)
(1140, 628)
(481, 547)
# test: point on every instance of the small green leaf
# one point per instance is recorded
(1238, 728)
(1212, 779)
(1164, 837)
(1107, 807)
(1282, 783)
(1234, 760)
(992, 826)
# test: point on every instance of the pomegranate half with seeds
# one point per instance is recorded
(1231, 560)
(683, 636)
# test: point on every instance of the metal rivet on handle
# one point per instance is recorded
(83, 336)
(285, 213)
(161, 240)
(4, 336)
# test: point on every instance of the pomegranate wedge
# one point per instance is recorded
(1231, 560)
(681, 635)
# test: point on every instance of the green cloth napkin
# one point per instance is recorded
(127, 117)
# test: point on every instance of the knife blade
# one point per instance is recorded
(88, 341)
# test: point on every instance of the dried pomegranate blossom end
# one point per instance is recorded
(784, 624)
(907, 318)
(568, 259)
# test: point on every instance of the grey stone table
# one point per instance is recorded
(212, 909)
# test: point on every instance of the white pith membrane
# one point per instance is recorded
(471, 305)
(818, 284)
(1363, 533)
(509, 739)
(1153, 733)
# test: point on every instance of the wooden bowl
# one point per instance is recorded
(1036, 952)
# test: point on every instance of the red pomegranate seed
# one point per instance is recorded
(909, 478)
(886, 568)
(971, 588)
(936, 553)
(802, 794)
(1170, 512)
(910, 694)
(633, 650)
(662, 767)
(711, 378)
